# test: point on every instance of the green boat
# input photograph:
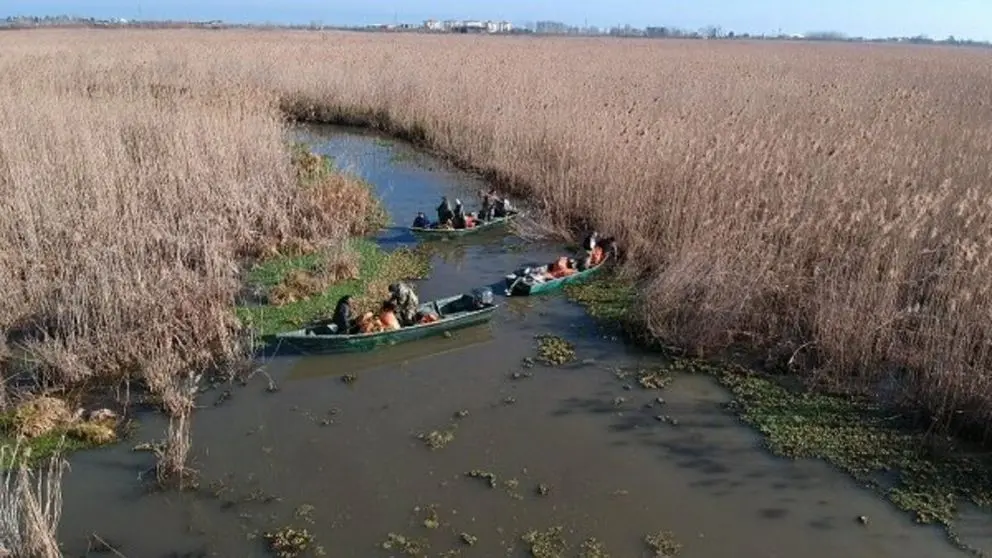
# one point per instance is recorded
(479, 227)
(523, 283)
(455, 312)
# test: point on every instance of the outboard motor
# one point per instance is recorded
(482, 296)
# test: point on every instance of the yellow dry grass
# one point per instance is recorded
(783, 195)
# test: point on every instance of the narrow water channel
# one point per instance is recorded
(344, 461)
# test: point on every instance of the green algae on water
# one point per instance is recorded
(432, 520)
(874, 445)
(553, 350)
(405, 545)
(546, 544)
(288, 542)
(592, 548)
(663, 544)
(468, 539)
(438, 439)
(490, 478)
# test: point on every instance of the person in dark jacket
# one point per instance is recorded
(489, 201)
(444, 213)
(421, 221)
(343, 317)
(458, 216)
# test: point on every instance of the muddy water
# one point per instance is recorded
(350, 450)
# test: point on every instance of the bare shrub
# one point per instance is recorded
(30, 505)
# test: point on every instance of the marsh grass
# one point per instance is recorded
(30, 504)
(129, 205)
(837, 208)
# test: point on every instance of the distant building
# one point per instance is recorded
(499, 26)
(434, 25)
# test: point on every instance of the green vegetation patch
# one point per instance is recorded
(377, 269)
(405, 545)
(59, 436)
(876, 446)
(592, 548)
(611, 299)
(920, 473)
(546, 544)
(553, 350)
(663, 544)
(605, 297)
(288, 542)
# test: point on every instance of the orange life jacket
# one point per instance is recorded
(368, 323)
(389, 321)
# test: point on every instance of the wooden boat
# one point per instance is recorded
(521, 283)
(454, 312)
(480, 226)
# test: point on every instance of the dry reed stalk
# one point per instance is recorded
(785, 194)
(30, 505)
(173, 457)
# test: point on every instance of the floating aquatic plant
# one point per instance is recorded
(546, 544)
(663, 544)
(408, 546)
(592, 548)
(288, 542)
(553, 350)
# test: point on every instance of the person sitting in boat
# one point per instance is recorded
(421, 221)
(589, 247)
(562, 267)
(489, 201)
(343, 318)
(471, 220)
(499, 208)
(458, 216)
(387, 316)
(444, 213)
(369, 323)
(609, 247)
(406, 301)
(426, 318)
(504, 208)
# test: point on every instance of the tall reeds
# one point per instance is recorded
(30, 505)
(829, 197)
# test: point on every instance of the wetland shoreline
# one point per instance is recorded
(489, 410)
(760, 401)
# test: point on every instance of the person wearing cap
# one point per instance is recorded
(407, 303)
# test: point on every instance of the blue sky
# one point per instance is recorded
(936, 18)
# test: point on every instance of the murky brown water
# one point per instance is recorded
(351, 450)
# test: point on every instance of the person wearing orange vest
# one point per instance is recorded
(387, 316)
